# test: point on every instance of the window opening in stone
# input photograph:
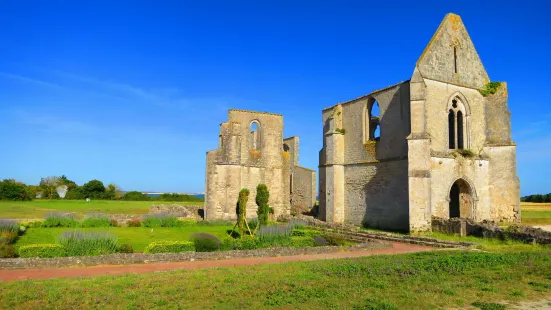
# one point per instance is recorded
(451, 129)
(455, 58)
(255, 136)
(459, 130)
(374, 123)
(286, 147)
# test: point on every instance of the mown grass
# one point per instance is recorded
(535, 214)
(440, 279)
(39, 208)
(138, 237)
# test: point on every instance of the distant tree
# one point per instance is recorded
(93, 189)
(112, 191)
(75, 193)
(135, 196)
(14, 190)
(48, 187)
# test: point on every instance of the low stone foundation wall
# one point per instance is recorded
(139, 258)
(488, 229)
(191, 211)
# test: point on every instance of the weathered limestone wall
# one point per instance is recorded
(504, 185)
(439, 96)
(498, 118)
(376, 194)
(446, 170)
(303, 195)
(239, 163)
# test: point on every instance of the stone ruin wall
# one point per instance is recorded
(236, 165)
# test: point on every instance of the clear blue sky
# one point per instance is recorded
(133, 92)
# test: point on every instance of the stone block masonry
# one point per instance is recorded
(251, 151)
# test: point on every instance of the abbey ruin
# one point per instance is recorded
(251, 150)
(436, 145)
(441, 145)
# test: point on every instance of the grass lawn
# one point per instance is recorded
(440, 279)
(39, 208)
(139, 237)
(536, 213)
(493, 245)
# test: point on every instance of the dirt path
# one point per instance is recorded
(75, 272)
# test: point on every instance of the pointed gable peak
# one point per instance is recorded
(450, 56)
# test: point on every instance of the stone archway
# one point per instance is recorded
(461, 203)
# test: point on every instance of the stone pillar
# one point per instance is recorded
(334, 169)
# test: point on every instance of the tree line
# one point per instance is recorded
(537, 198)
(54, 187)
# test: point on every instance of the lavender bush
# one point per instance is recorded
(88, 243)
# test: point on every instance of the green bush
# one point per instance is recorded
(490, 88)
(170, 247)
(334, 239)
(161, 220)
(302, 242)
(96, 220)
(8, 237)
(6, 250)
(187, 222)
(13, 190)
(205, 242)
(42, 250)
(93, 189)
(136, 222)
(135, 196)
(32, 224)
(60, 220)
(244, 243)
(80, 243)
(262, 198)
(126, 248)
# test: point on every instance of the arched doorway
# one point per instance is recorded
(461, 200)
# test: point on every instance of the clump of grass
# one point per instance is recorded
(96, 220)
(9, 225)
(60, 220)
(135, 222)
(81, 243)
(488, 305)
(160, 220)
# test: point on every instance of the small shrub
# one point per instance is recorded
(9, 225)
(253, 224)
(205, 242)
(160, 220)
(6, 250)
(22, 229)
(335, 240)
(114, 223)
(341, 130)
(8, 237)
(466, 153)
(244, 243)
(32, 224)
(42, 250)
(170, 247)
(302, 242)
(135, 222)
(60, 220)
(187, 222)
(320, 241)
(126, 248)
(79, 243)
(96, 220)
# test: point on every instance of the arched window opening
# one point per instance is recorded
(459, 130)
(451, 129)
(374, 121)
(255, 136)
(286, 147)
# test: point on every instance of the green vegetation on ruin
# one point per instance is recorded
(38, 208)
(439, 279)
(490, 88)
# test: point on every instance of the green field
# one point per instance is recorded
(39, 208)
(536, 213)
(440, 279)
(138, 237)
